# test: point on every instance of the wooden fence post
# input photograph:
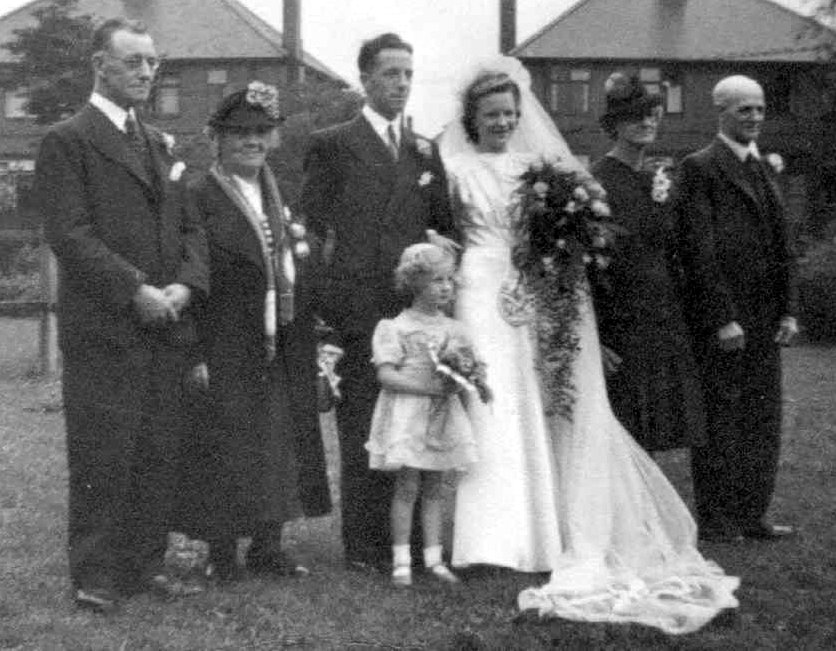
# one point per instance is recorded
(50, 356)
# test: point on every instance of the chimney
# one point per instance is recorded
(507, 25)
(292, 40)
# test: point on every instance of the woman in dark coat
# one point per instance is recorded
(257, 457)
(652, 378)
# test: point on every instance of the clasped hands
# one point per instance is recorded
(732, 337)
(157, 306)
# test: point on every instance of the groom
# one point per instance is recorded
(371, 188)
(739, 262)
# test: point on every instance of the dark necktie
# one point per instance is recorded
(137, 142)
(392, 141)
(757, 178)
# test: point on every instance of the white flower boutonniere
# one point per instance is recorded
(425, 178)
(176, 171)
(661, 185)
(169, 142)
(775, 161)
(424, 147)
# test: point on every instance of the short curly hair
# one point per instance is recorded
(417, 265)
(488, 83)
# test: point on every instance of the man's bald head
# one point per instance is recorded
(741, 106)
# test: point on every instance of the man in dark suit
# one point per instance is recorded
(371, 188)
(740, 268)
(131, 259)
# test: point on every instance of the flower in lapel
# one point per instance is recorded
(177, 166)
(425, 178)
(424, 147)
(776, 162)
(661, 188)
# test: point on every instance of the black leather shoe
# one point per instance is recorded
(277, 564)
(766, 531)
(97, 600)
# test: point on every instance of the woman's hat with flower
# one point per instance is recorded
(254, 107)
(627, 100)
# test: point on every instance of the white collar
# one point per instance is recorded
(380, 124)
(112, 111)
(740, 150)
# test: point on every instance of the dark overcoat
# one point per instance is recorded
(257, 452)
(655, 392)
(373, 207)
(740, 266)
(115, 223)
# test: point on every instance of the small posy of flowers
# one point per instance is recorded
(776, 162)
(298, 232)
(457, 360)
(424, 147)
(265, 96)
(425, 178)
(178, 166)
(661, 185)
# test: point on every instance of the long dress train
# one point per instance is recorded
(579, 498)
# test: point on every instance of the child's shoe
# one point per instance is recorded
(402, 575)
(441, 572)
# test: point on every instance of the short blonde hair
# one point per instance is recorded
(417, 265)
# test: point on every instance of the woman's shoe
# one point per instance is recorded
(402, 575)
(443, 573)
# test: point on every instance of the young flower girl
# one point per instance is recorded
(420, 428)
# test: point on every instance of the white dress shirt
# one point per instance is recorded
(113, 112)
(381, 125)
(740, 150)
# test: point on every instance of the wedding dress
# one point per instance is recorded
(579, 498)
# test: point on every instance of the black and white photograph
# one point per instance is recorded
(429, 324)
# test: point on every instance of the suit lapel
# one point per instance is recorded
(368, 148)
(229, 228)
(732, 168)
(112, 144)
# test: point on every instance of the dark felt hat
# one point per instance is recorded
(627, 99)
(254, 107)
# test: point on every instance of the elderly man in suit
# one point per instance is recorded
(740, 267)
(371, 188)
(131, 259)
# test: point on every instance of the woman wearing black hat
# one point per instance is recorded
(652, 379)
(257, 454)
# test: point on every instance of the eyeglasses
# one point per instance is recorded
(135, 61)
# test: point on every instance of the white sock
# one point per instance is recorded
(432, 556)
(401, 556)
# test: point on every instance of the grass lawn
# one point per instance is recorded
(788, 595)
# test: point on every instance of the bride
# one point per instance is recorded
(573, 496)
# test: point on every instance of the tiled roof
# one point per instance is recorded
(182, 29)
(675, 30)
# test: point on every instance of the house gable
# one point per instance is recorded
(673, 30)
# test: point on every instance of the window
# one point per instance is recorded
(217, 80)
(14, 103)
(778, 91)
(167, 96)
(569, 90)
(668, 86)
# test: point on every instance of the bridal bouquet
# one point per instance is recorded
(457, 361)
(561, 240)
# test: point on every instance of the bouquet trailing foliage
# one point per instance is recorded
(562, 239)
